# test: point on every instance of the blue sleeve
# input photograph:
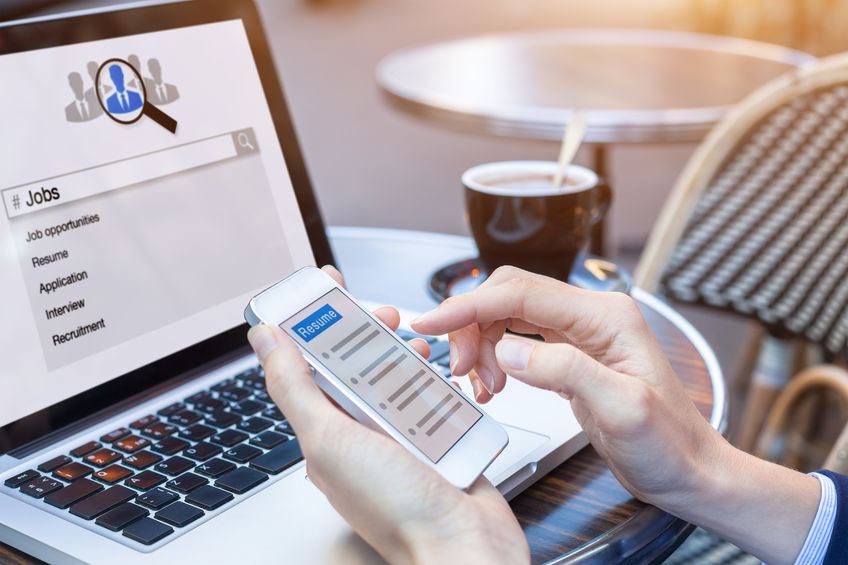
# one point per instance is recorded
(837, 551)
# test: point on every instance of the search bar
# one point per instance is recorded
(55, 191)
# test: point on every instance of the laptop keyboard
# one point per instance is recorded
(160, 473)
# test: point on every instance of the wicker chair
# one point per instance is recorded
(757, 224)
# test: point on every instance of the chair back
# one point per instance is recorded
(758, 221)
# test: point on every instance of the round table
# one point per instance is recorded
(635, 85)
(578, 513)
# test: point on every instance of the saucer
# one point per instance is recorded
(590, 272)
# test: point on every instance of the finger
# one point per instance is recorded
(288, 378)
(389, 316)
(464, 344)
(420, 346)
(492, 377)
(481, 395)
(564, 369)
(333, 272)
(547, 304)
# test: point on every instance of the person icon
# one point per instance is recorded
(160, 92)
(85, 106)
(124, 100)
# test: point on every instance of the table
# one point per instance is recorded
(636, 85)
(578, 513)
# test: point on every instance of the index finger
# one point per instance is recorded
(544, 303)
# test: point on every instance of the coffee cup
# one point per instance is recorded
(517, 218)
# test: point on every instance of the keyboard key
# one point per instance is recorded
(179, 514)
(115, 435)
(97, 504)
(242, 453)
(222, 419)
(228, 438)
(187, 482)
(202, 451)
(120, 517)
(86, 448)
(248, 407)
(262, 395)
(285, 428)
(130, 444)
(254, 425)
(54, 463)
(267, 440)
(72, 471)
(278, 459)
(197, 432)
(174, 466)
(142, 459)
(198, 397)
(147, 531)
(211, 405)
(274, 413)
(169, 445)
(208, 497)
(103, 457)
(146, 480)
(20, 478)
(223, 385)
(255, 382)
(142, 422)
(241, 480)
(215, 467)
(185, 418)
(407, 335)
(158, 430)
(112, 474)
(40, 487)
(171, 409)
(235, 394)
(72, 493)
(157, 498)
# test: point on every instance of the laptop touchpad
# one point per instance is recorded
(522, 443)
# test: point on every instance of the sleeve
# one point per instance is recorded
(837, 548)
(816, 546)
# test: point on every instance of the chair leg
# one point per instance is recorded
(773, 370)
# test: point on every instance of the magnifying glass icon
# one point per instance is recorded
(123, 95)
(244, 141)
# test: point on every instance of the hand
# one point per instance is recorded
(399, 505)
(599, 352)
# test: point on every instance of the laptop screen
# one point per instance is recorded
(125, 239)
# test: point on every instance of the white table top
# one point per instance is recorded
(636, 85)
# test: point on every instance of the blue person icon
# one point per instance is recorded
(124, 100)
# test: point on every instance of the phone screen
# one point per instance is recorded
(377, 366)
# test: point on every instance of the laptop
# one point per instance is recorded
(151, 183)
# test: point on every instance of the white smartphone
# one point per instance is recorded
(379, 379)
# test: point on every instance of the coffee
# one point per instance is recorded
(517, 218)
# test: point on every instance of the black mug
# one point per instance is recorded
(517, 218)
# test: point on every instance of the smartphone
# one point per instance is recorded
(379, 379)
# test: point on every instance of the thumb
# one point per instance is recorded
(558, 367)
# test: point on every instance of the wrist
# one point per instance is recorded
(473, 540)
